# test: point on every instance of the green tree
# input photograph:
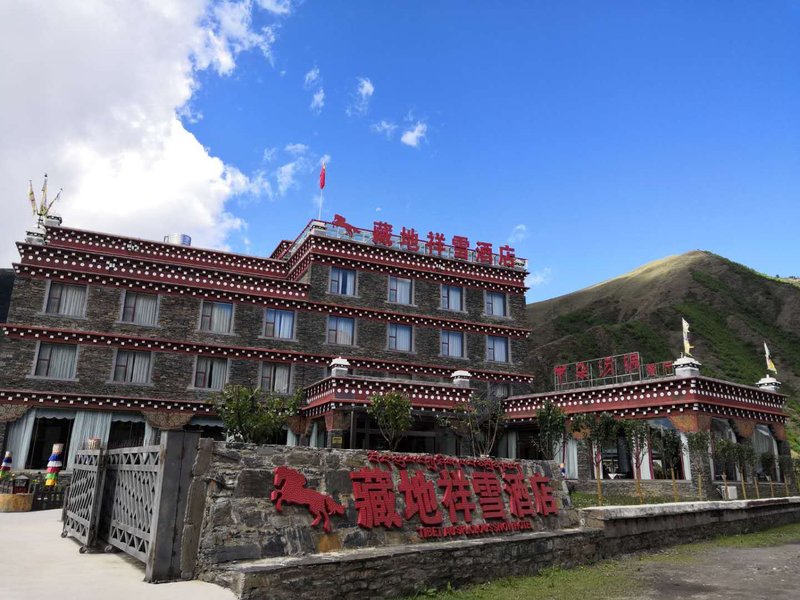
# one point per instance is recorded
(767, 462)
(251, 416)
(672, 454)
(787, 465)
(698, 442)
(637, 434)
(747, 458)
(477, 421)
(552, 424)
(598, 431)
(725, 454)
(392, 413)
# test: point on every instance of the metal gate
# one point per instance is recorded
(134, 499)
(81, 506)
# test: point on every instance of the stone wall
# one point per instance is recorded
(239, 522)
(406, 570)
(179, 317)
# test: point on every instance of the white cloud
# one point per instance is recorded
(412, 137)
(269, 154)
(286, 176)
(312, 77)
(296, 149)
(318, 101)
(519, 233)
(539, 277)
(361, 97)
(384, 127)
(97, 107)
(277, 7)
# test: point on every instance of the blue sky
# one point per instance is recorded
(606, 134)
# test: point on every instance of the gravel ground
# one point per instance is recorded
(724, 573)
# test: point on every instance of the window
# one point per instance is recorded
(216, 317)
(132, 366)
(275, 377)
(341, 330)
(400, 337)
(343, 281)
(452, 298)
(210, 373)
(496, 348)
(452, 344)
(140, 309)
(66, 300)
(495, 304)
(279, 324)
(400, 290)
(501, 391)
(56, 361)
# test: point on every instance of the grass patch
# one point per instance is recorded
(607, 579)
(610, 578)
(587, 499)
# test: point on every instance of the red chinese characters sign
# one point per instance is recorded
(461, 497)
(433, 243)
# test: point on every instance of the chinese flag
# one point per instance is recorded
(322, 177)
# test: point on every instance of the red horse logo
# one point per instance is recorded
(290, 487)
(339, 221)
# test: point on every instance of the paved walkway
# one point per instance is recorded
(36, 563)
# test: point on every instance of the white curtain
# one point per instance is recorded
(500, 347)
(73, 300)
(451, 297)
(146, 309)
(18, 438)
(403, 337)
(216, 373)
(280, 379)
(495, 304)
(137, 366)
(56, 361)
(403, 291)
(455, 343)
(140, 373)
(88, 423)
(344, 331)
(220, 316)
(284, 324)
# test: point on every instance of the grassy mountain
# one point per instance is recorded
(731, 308)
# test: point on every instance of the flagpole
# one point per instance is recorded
(321, 200)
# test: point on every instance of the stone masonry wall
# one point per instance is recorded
(408, 570)
(239, 521)
(179, 318)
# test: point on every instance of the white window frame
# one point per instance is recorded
(292, 338)
(33, 374)
(506, 311)
(355, 282)
(194, 373)
(389, 291)
(48, 290)
(389, 337)
(272, 363)
(233, 318)
(124, 296)
(463, 297)
(149, 381)
(508, 350)
(464, 354)
(328, 328)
